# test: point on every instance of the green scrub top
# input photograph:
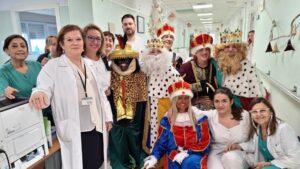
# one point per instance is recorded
(24, 82)
(263, 149)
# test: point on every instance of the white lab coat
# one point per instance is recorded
(57, 80)
(283, 146)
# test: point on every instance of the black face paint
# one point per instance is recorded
(123, 64)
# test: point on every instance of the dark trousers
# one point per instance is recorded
(92, 149)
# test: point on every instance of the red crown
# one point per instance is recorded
(180, 88)
(201, 41)
(166, 29)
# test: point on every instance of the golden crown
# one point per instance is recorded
(120, 53)
(154, 43)
(231, 37)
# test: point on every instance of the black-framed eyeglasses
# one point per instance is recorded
(93, 38)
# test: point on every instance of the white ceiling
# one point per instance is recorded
(222, 11)
(16, 4)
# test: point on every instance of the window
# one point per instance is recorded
(35, 33)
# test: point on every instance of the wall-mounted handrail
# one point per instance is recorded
(290, 92)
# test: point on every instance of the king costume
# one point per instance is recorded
(239, 74)
(167, 34)
(204, 80)
(184, 136)
(160, 74)
(128, 101)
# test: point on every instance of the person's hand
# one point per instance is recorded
(205, 100)
(261, 165)
(38, 100)
(180, 157)
(149, 162)
(108, 125)
(231, 147)
(9, 92)
(107, 92)
(44, 61)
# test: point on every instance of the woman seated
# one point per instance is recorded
(273, 143)
(228, 124)
(183, 134)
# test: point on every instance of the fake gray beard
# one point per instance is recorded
(156, 63)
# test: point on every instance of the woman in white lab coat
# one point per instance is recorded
(94, 44)
(274, 143)
(80, 108)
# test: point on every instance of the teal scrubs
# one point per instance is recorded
(263, 149)
(24, 82)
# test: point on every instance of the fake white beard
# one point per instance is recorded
(156, 63)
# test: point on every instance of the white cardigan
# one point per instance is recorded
(283, 146)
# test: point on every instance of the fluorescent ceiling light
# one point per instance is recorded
(205, 19)
(202, 6)
(207, 22)
(204, 14)
(208, 25)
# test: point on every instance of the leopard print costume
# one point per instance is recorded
(135, 83)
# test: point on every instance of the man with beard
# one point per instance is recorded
(167, 35)
(128, 102)
(161, 74)
(239, 74)
(202, 72)
(128, 25)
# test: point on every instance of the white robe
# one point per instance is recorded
(246, 82)
(221, 137)
(161, 74)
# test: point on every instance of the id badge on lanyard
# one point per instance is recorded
(86, 100)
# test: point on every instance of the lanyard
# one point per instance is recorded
(83, 83)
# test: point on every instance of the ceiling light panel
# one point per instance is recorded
(205, 19)
(202, 6)
(204, 14)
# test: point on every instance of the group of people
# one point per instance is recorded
(133, 101)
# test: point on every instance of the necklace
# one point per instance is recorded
(264, 135)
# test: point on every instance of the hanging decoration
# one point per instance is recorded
(156, 18)
(275, 48)
(269, 48)
(171, 17)
(289, 46)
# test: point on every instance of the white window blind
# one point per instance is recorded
(36, 31)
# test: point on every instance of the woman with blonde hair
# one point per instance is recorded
(93, 52)
(183, 135)
(50, 50)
